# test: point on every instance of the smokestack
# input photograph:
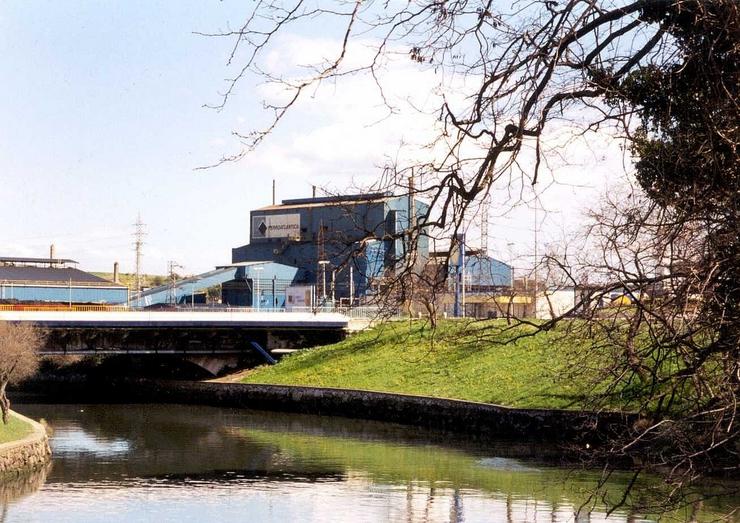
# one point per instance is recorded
(52, 255)
(273, 191)
(313, 191)
(115, 272)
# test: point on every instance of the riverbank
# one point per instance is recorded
(24, 446)
(481, 420)
(465, 360)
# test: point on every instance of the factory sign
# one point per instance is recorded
(277, 226)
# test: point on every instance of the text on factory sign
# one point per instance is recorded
(277, 226)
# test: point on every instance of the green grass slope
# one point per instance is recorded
(15, 429)
(461, 360)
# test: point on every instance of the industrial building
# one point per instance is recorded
(249, 284)
(305, 253)
(477, 285)
(54, 280)
(343, 245)
(328, 251)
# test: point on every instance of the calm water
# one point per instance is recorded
(183, 463)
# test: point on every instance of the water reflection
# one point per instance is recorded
(16, 486)
(183, 463)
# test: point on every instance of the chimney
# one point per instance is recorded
(273, 191)
(52, 255)
(115, 272)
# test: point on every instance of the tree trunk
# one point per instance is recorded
(4, 402)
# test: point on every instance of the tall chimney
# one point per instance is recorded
(115, 272)
(273, 191)
(52, 255)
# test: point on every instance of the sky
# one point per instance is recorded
(104, 119)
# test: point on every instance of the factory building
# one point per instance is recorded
(249, 284)
(335, 250)
(478, 283)
(54, 280)
(343, 245)
(486, 274)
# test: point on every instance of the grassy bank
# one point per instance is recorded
(15, 429)
(461, 360)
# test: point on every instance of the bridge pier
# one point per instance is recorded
(214, 364)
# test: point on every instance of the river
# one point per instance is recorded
(181, 463)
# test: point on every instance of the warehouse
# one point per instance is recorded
(54, 280)
(343, 245)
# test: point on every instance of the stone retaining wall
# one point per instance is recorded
(450, 415)
(29, 453)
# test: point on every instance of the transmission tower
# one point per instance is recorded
(485, 209)
(139, 233)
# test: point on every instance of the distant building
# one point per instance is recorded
(482, 272)
(486, 284)
(54, 280)
(247, 284)
(343, 245)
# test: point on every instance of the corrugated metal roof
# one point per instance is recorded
(50, 274)
(333, 201)
(339, 198)
(244, 264)
(12, 259)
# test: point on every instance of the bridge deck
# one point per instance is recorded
(193, 319)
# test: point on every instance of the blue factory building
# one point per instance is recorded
(485, 274)
(250, 284)
(342, 244)
(54, 280)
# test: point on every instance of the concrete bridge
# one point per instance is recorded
(211, 338)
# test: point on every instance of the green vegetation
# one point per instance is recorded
(15, 429)
(129, 279)
(461, 360)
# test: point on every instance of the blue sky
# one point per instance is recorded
(103, 118)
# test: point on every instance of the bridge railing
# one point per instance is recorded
(352, 312)
(62, 307)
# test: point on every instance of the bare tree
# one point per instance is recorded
(19, 345)
(655, 349)
(664, 75)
